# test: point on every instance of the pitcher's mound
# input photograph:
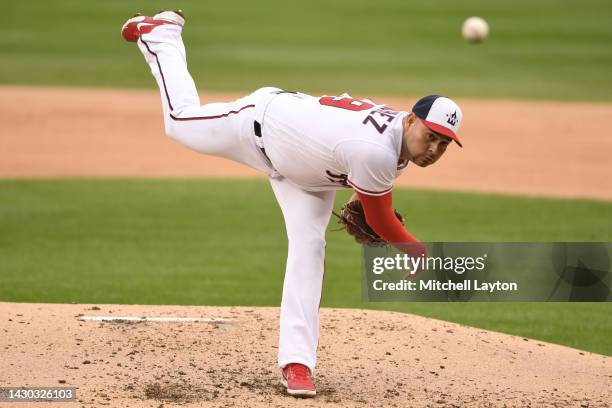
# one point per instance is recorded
(366, 359)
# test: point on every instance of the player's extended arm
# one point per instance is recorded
(381, 218)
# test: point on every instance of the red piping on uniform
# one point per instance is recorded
(212, 117)
(368, 191)
(170, 103)
(161, 73)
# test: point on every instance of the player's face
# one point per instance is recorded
(424, 146)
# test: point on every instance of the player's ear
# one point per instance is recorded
(411, 118)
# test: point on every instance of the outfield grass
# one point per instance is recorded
(546, 49)
(223, 243)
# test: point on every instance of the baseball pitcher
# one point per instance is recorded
(309, 147)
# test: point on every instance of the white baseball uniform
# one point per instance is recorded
(308, 146)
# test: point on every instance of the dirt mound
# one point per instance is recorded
(537, 148)
(366, 359)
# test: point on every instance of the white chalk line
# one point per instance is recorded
(154, 319)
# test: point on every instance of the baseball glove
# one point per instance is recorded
(352, 218)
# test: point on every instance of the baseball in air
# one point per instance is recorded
(475, 29)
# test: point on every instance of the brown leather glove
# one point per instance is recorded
(352, 218)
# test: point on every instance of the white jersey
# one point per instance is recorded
(332, 142)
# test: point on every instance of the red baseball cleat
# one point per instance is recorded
(138, 25)
(298, 381)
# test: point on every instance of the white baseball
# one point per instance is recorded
(475, 29)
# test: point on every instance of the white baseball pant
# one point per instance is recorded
(227, 130)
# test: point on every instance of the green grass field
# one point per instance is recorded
(223, 243)
(547, 49)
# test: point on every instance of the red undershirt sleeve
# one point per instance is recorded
(381, 218)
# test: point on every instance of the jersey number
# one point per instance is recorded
(344, 102)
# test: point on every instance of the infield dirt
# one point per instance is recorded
(366, 359)
(535, 148)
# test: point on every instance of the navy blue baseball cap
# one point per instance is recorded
(440, 114)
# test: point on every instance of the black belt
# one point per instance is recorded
(257, 126)
(257, 130)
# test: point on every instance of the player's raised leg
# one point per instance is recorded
(159, 39)
(220, 129)
(306, 217)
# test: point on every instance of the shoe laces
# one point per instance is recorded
(299, 372)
